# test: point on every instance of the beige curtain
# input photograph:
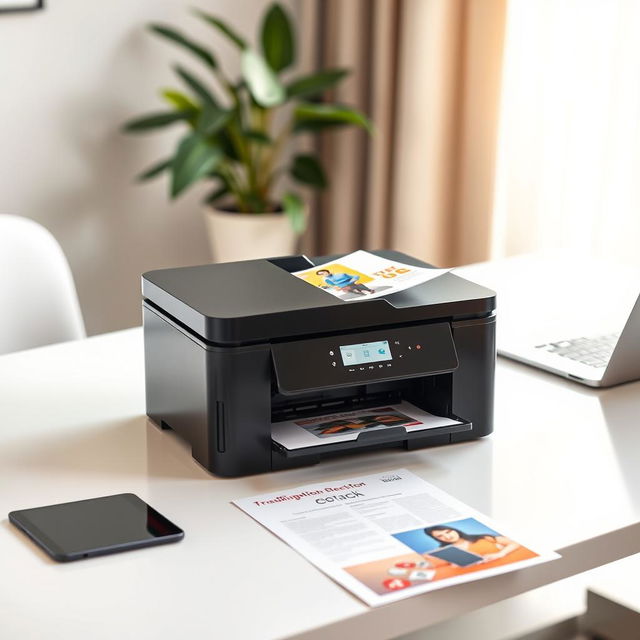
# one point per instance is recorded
(427, 73)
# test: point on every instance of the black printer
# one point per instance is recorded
(232, 348)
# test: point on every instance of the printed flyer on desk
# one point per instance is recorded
(389, 536)
(362, 275)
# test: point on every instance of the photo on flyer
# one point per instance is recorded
(444, 550)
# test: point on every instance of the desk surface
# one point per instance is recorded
(562, 467)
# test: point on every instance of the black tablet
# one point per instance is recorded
(454, 555)
(76, 530)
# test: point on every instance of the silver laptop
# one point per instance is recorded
(596, 360)
(547, 308)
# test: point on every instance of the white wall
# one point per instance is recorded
(69, 77)
(569, 141)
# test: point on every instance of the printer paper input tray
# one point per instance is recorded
(372, 438)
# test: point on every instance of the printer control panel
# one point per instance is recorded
(360, 358)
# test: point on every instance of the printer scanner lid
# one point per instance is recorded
(259, 300)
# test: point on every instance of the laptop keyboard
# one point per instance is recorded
(595, 352)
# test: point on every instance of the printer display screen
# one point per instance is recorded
(365, 353)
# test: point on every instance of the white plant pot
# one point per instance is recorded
(247, 236)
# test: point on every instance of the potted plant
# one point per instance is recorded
(238, 131)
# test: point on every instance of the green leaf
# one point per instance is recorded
(223, 28)
(194, 159)
(226, 143)
(155, 170)
(294, 209)
(179, 100)
(196, 86)
(216, 194)
(316, 83)
(175, 36)
(261, 80)
(317, 126)
(212, 119)
(155, 120)
(307, 169)
(278, 44)
(258, 137)
(329, 115)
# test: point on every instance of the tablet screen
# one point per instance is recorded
(456, 556)
(98, 525)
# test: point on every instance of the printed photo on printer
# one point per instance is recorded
(340, 280)
(362, 275)
(382, 418)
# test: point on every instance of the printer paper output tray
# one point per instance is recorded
(398, 435)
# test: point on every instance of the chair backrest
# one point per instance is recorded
(38, 299)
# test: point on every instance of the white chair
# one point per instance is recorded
(38, 299)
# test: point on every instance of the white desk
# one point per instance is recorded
(563, 466)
